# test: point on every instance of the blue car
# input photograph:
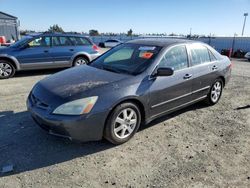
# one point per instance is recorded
(44, 51)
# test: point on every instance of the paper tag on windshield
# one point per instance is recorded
(146, 55)
(147, 48)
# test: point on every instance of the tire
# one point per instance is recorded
(7, 70)
(80, 61)
(215, 92)
(249, 60)
(118, 133)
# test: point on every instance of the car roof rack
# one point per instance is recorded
(52, 32)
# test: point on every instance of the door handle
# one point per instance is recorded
(71, 50)
(46, 51)
(214, 67)
(187, 76)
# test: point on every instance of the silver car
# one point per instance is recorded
(247, 56)
(112, 43)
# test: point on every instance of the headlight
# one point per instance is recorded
(77, 107)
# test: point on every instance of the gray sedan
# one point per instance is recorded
(126, 87)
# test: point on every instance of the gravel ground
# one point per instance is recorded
(198, 146)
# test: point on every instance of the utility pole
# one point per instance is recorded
(245, 15)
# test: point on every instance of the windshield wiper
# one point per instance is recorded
(112, 69)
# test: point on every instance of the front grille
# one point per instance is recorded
(38, 103)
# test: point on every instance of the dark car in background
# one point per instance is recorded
(129, 85)
(44, 51)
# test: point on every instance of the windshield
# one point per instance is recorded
(127, 58)
(21, 42)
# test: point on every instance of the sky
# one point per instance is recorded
(218, 17)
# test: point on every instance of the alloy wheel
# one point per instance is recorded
(5, 70)
(216, 91)
(125, 123)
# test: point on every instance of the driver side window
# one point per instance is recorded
(40, 42)
(175, 58)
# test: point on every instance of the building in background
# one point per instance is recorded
(9, 27)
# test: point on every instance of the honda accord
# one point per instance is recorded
(128, 86)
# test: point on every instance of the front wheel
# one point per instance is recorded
(123, 123)
(7, 70)
(215, 92)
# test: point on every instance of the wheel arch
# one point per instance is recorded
(12, 60)
(223, 80)
(80, 55)
(135, 101)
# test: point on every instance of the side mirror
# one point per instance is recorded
(164, 71)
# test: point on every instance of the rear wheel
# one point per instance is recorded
(123, 123)
(215, 92)
(7, 70)
(80, 61)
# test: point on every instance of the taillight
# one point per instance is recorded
(95, 48)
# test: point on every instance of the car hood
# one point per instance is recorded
(79, 81)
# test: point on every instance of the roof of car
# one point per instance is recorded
(160, 41)
(62, 34)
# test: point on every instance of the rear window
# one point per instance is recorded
(80, 41)
(199, 54)
(61, 41)
(212, 57)
(216, 54)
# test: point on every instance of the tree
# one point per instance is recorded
(55, 28)
(25, 32)
(130, 32)
(173, 34)
(93, 32)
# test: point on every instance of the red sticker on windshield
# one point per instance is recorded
(146, 55)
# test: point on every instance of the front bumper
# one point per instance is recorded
(78, 128)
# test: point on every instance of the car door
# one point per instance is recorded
(36, 54)
(205, 69)
(62, 51)
(170, 92)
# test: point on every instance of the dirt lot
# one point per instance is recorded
(198, 146)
